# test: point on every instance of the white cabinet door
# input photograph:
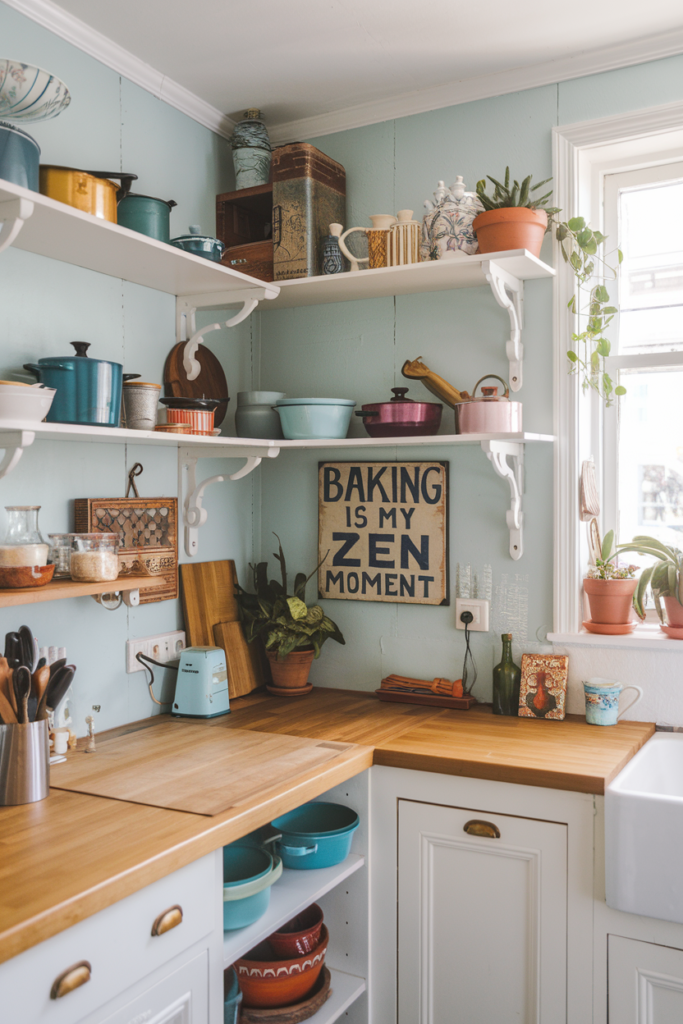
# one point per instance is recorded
(645, 982)
(181, 997)
(482, 919)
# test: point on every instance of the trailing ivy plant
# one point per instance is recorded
(579, 244)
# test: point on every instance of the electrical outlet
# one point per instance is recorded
(163, 648)
(480, 613)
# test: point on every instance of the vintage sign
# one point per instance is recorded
(385, 526)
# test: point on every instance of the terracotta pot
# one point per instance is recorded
(513, 227)
(292, 673)
(674, 612)
(610, 601)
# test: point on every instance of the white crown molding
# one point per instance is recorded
(96, 45)
(465, 91)
(623, 127)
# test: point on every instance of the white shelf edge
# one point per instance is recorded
(346, 988)
(407, 442)
(295, 891)
(643, 636)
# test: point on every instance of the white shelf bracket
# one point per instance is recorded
(497, 453)
(508, 292)
(13, 214)
(186, 321)
(190, 363)
(192, 493)
(13, 442)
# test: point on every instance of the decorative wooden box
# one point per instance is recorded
(244, 225)
(309, 194)
(254, 258)
(150, 537)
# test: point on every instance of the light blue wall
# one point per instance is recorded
(112, 125)
(350, 349)
(357, 349)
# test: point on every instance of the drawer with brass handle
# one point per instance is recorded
(68, 977)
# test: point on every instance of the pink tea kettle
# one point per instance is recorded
(490, 413)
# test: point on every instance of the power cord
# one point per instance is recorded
(467, 618)
(142, 658)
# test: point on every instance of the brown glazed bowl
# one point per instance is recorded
(19, 576)
(267, 982)
(299, 936)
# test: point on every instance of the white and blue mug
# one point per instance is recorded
(602, 700)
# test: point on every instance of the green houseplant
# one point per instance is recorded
(665, 579)
(292, 632)
(610, 590)
(515, 218)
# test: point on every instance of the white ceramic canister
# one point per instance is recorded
(255, 415)
(140, 403)
(491, 413)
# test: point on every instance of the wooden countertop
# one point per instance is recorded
(68, 857)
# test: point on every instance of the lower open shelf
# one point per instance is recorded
(295, 891)
(345, 988)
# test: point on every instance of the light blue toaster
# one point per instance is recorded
(202, 687)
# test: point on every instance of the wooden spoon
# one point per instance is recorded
(39, 681)
(6, 684)
(7, 711)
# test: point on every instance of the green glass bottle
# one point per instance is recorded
(506, 681)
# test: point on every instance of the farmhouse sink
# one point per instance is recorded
(644, 831)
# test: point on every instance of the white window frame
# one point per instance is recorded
(583, 154)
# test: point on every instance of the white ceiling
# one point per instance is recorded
(305, 58)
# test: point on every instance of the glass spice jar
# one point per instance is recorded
(94, 557)
(60, 554)
(23, 543)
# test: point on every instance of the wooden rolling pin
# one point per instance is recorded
(442, 686)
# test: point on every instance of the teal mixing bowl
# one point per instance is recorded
(248, 873)
(317, 835)
(315, 419)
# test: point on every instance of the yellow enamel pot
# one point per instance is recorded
(90, 191)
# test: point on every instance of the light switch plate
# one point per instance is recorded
(480, 613)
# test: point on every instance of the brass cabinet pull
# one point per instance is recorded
(170, 918)
(475, 827)
(73, 977)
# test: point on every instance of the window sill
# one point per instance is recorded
(643, 636)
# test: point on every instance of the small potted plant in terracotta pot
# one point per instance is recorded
(292, 632)
(610, 590)
(513, 217)
(665, 579)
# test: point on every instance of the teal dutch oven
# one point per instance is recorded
(317, 835)
(88, 390)
(147, 215)
(248, 873)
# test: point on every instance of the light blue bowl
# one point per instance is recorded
(251, 870)
(317, 835)
(315, 419)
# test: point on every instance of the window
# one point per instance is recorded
(643, 439)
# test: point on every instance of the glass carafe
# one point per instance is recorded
(23, 543)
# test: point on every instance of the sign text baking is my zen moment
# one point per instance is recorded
(385, 526)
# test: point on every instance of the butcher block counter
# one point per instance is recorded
(67, 857)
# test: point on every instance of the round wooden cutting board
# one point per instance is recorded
(210, 383)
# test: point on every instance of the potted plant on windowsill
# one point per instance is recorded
(292, 632)
(513, 217)
(610, 590)
(665, 579)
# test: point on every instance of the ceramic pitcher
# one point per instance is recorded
(447, 225)
(377, 242)
(602, 700)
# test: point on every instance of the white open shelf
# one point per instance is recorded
(64, 233)
(292, 893)
(346, 988)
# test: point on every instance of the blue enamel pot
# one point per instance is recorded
(19, 157)
(88, 390)
(317, 835)
(248, 873)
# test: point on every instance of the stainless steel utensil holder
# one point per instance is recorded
(24, 763)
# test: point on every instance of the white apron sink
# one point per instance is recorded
(644, 832)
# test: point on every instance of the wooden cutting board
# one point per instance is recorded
(212, 618)
(210, 383)
(187, 767)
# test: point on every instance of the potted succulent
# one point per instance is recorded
(665, 579)
(513, 218)
(292, 632)
(610, 588)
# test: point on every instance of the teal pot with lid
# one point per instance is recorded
(88, 390)
(207, 246)
(19, 157)
(149, 216)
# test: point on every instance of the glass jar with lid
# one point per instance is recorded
(94, 557)
(23, 543)
(60, 553)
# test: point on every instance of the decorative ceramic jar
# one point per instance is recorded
(377, 237)
(251, 150)
(255, 415)
(23, 544)
(403, 241)
(332, 261)
(447, 230)
(602, 700)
